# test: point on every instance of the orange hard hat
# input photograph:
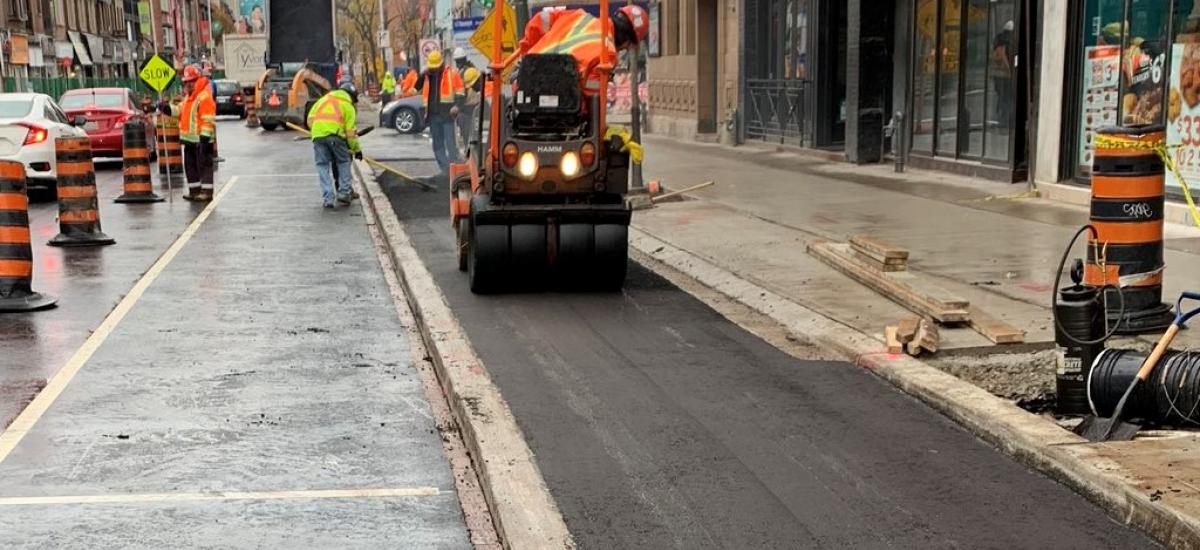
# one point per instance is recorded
(190, 73)
(639, 19)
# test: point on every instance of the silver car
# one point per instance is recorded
(406, 115)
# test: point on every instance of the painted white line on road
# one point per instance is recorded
(55, 386)
(222, 496)
(306, 175)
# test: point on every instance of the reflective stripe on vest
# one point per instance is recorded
(328, 109)
(192, 131)
(445, 86)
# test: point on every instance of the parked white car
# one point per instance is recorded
(29, 124)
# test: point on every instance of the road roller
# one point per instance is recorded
(540, 201)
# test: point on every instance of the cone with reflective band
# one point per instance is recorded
(78, 208)
(170, 150)
(251, 114)
(136, 153)
(16, 254)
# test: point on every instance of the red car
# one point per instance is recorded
(106, 111)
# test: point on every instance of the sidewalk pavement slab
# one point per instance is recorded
(266, 357)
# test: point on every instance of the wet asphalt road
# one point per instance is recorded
(657, 423)
(266, 357)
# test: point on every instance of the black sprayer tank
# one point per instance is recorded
(1080, 320)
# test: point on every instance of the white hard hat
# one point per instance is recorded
(460, 53)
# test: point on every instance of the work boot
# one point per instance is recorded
(192, 194)
(354, 195)
(343, 199)
(204, 196)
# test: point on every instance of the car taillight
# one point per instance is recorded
(510, 154)
(237, 98)
(121, 121)
(36, 134)
(587, 154)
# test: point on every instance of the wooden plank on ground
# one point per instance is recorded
(928, 338)
(994, 329)
(893, 344)
(906, 329)
(877, 249)
(896, 289)
(887, 266)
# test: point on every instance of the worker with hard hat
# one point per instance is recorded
(442, 94)
(576, 32)
(197, 130)
(461, 62)
(331, 123)
(467, 117)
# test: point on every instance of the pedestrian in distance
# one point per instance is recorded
(331, 124)
(443, 94)
(197, 131)
(389, 88)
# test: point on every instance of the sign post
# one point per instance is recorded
(484, 36)
(159, 74)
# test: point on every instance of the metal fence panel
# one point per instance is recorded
(775, 111)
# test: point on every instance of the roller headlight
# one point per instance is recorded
(569, 164)
(528, 165)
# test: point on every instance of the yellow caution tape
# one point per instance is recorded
(1108, 141)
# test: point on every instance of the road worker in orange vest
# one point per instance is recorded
(576, 32)
(443, 93)
(331, 124)
(197, 130)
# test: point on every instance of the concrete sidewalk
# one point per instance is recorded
(258, 392)
(973, 238)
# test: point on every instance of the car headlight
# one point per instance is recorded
(528, 165)
(569, 165)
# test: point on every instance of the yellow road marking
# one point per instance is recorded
(32, 413)
(222, 496)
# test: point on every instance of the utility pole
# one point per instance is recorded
(384, 45)
(212, 48)
(635, 105)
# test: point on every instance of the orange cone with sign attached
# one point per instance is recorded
(16, 253)
(78, 207)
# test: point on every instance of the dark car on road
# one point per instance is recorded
(230, 100)
(406, 115)
(105, 110)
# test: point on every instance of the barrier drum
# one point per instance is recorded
(170, 150)
(16, 253)
(1127, 204)
(78, 207)
(252, 111)
(136, 154)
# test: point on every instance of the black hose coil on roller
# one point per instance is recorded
(1062, 264)
(1171, 396)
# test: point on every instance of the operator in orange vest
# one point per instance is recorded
(576, 32)
(443, 94)
(197, 130)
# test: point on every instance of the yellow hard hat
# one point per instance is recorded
(434, 60)
(470, 76)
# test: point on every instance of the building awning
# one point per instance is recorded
(80, 50)
(96, 47)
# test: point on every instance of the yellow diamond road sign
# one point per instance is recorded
(483, 38)
(157, 73)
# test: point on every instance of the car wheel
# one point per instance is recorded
(405, 121)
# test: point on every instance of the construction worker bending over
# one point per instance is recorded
(442, 96)
(197, 130)
(577, 33)
(331, 123)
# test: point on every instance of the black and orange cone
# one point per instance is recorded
(78, 208)
(170, 150)
(16, 253)
(136, 154)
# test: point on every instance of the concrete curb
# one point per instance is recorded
(524, 513)
(1034, 440)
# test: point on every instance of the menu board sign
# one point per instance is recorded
(1101, 95)
(1183, 113)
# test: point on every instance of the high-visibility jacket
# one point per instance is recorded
(451, 89)
(389, 84)
(198, 113)
(334, 115)
(574, 32)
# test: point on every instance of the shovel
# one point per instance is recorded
(1113, 428)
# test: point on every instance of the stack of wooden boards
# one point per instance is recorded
(884, 269)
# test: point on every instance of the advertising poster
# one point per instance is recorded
(1100, 98)
(1183, 113)
(653, 42)
(249, 16)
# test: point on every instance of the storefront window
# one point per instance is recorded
(1002, 68)
(1143, 62)
(975, 78)
(1100, 96)
(947, 118)
(1183, 93)
(924, 75)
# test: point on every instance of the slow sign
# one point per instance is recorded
(157, 73)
